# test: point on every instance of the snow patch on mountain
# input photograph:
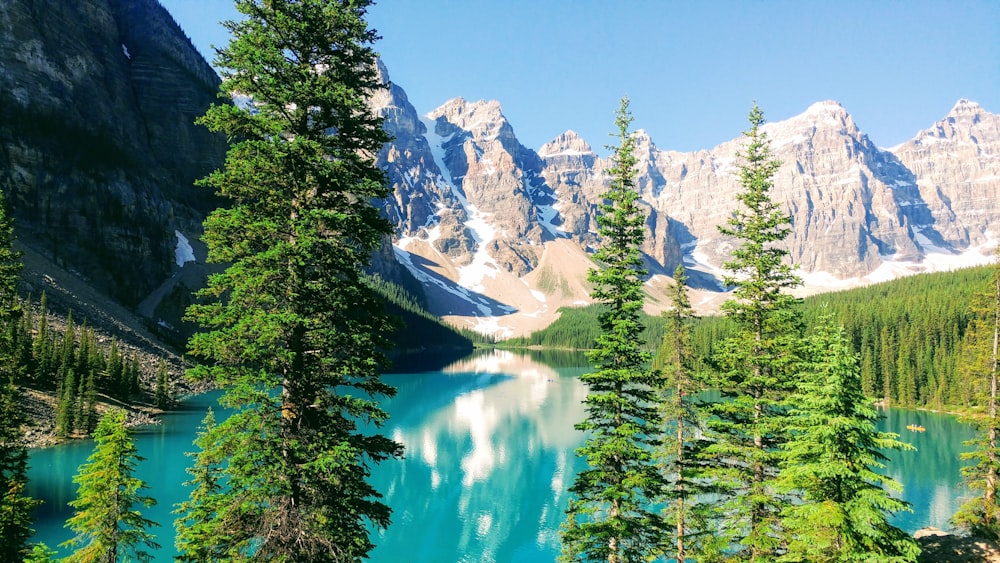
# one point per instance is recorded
(183, 253)
(481, 304)
(483, 265)
(547, 205)
(936, 259)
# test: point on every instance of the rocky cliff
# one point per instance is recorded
(98, 150)
(501, 234)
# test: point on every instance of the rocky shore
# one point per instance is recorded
(41, 410)
(938, 546)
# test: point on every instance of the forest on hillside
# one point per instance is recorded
(910, 333)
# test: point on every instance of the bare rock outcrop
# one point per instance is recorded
(955, 165)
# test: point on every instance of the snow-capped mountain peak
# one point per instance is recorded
(511, 228)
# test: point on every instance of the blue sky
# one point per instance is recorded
(691, 69)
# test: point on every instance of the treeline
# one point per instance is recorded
(74, 365)
(910, 334)
(417, 327)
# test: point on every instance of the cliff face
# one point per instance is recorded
(98, 153)
(955, 167)
(98, 149)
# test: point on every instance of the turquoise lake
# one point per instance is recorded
(489, 453)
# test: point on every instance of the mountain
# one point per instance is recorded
(98, 155)
(98, 146)
(500, 234)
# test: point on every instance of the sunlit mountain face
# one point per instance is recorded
(501, 234)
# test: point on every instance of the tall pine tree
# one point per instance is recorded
(106, 519)
(833, 456)
(196, 538)
(161, 398)
(15, 505)
(611, 517)
(981, 514)
(685, 510)
(757, 364)
(10, 305)
(291, 329)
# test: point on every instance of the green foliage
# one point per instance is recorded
(66, 400)
(577, 328)
(980, 514)
(757, 364)
(40, 553)
(832, 459)
(10, 305)
(15, 505)
(162, 398)
(420, 329)
(106, 521)
(927, 315)
(910, 335)
(292, 330)
(686, 508)
(196, 536)
(610, 517)
(72, 363)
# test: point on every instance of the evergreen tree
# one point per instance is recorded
(43, 350)
(66, 404)
(68, 345)
(611, 517)
(833, 458)
(888, 361)
(88, 401)
(10, 305)
(685, 508)
(40, 553)
(107, 523)
(15, 505)
(757, 363)
(292, 331)
(981, 514)
(162, 395)
(133, 376)
(116, 370)
(80, 402)
(83, 352)
(23, 359)
(197, 538)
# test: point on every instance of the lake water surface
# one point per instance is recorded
(489, 453)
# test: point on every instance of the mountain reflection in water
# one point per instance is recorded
(490, 450)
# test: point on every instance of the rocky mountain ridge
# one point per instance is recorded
(98, 153)
(500, 234)
(98, 146)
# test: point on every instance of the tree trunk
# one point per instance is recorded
(991, 472)
(680, 455)
(613, 546)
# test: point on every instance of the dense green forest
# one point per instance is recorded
(72, 362)
(78, 366)
(909, 332)
(419, 330)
